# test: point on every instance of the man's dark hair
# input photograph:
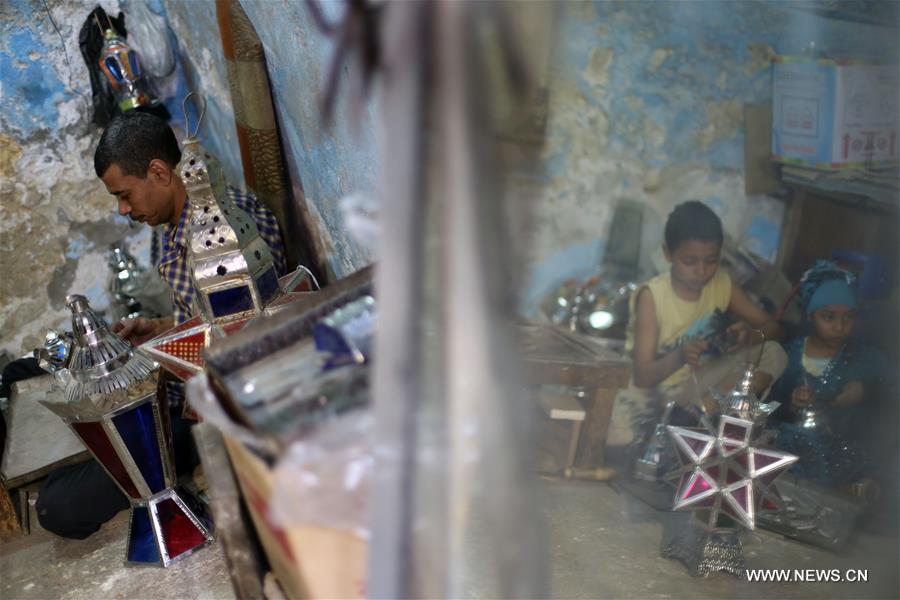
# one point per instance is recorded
(132, 140)
(692, 220)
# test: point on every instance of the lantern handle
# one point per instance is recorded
(187, 124)
(761, 348)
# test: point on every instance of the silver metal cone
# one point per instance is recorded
(104, 372)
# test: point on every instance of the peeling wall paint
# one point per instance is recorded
(200, 52)
(56, 218)
(646, 105)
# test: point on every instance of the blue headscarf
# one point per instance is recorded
(825, 284)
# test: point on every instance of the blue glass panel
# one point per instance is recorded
(268, 285)
(138, 431)
(135, 64)
(231, 301)
(142, 543)
(113, 65)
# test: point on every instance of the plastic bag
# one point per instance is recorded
(148, 34)
(324, 478)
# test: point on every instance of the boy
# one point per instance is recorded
(672, 310)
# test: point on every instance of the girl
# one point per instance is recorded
(827, 386)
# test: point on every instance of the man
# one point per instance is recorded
(136, 159)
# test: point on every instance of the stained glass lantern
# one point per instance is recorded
(122, 67)
(232, 268)
(727, 481)
(112, 404)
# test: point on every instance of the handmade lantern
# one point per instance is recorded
(742, 401)
(111, 403)
(232, 269)
(122, 67)
(726, 481)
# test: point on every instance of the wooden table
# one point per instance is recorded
(554, 356)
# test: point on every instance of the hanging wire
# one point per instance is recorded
(97, 21)
(184, 109)
(310, 273)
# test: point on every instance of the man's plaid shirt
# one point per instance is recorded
(171, 258)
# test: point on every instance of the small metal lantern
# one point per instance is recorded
(112, 405)
(742, 401)
(122, 67)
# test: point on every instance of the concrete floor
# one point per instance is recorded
(606, 544)
(602, 544)
(44, 566)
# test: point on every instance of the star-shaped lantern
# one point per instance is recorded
(725, 473)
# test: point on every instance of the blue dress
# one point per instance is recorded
(835, 455)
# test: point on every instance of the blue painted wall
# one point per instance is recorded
(646, 104)
(200, 51)
(331, 163)
(334, 162)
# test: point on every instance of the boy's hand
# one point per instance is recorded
(850, 395)
(137, 331)
(691, 350)
(801, 396)
(740, 335)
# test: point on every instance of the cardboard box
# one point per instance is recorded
(832, 114)
(309, 562)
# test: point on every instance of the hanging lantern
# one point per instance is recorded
(112, 405)
(231, 266)
(743, 403)
(726, 481)
(122, 67)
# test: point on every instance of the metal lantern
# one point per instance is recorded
(122, 67)
(124, 283)
(232, 269)
(726, 481)
(112, 405)
(742, 401)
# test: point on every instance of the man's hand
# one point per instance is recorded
(137, 331)
(850, 395)
(691, 351)
(801, 396)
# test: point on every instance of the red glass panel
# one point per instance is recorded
(761, 460)
(732, 477)
(741, 495)
(696, 445)
(186, 348)
(94, 437)
(696, 487)
(733, 431)
(179, 532)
